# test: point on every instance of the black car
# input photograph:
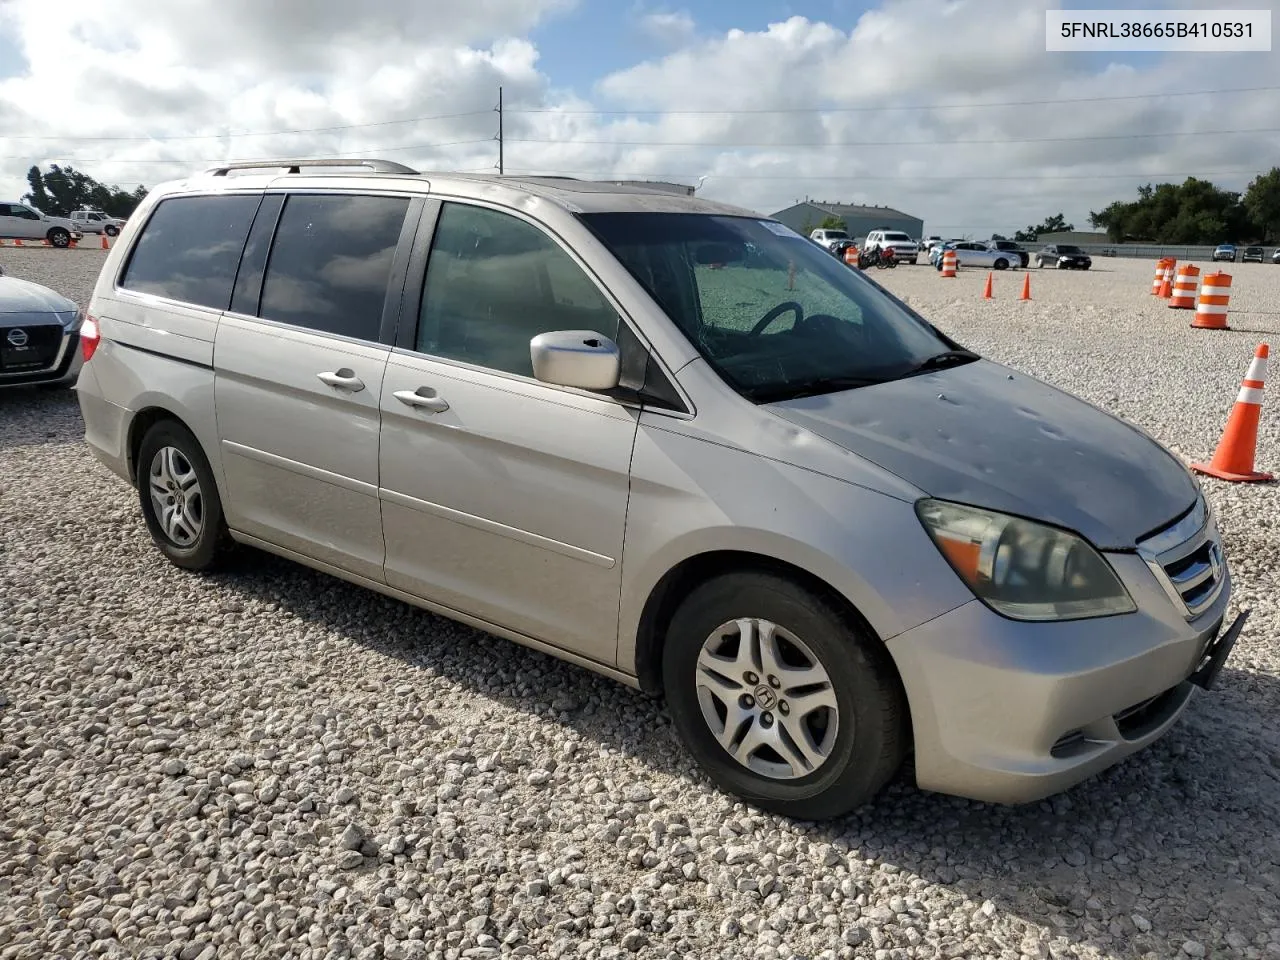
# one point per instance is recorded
(1064, 256)
(1256, 254)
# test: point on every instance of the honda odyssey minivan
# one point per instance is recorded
(668, 440)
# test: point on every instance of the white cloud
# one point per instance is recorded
(672, 29)
(146, 68)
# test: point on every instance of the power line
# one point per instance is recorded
(352, 153)
(722, 112)
(610, 174)
(254, 133)
(876, 109)
(892, 143)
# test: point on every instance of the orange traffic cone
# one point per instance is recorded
(105, 244)
(986, 291)
(1215, 294)
(1026, 287)
(1184, 288)
(1233, 460)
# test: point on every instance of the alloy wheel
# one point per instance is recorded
(767, 699)
(176, 496)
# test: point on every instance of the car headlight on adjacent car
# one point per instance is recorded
(72, 321)
(1022, 569)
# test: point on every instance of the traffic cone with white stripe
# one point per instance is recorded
(1233, 460)
(1215, 294)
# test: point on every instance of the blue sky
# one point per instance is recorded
(597, 37)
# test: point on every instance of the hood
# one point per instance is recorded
(988, 436)
(23, 296)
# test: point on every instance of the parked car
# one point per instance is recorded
(826, 238)
(19, 221)
(39, 335)
(1254, 254)
(904, 248)
(1225, 251)
(1275, 256)
(1011, 246)
(531, 382)
(95, 221)
(971, 253)
(1064, 256)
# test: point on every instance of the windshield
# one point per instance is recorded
(776, 316)
(837, 234)
(1067, 248)
(897, 237)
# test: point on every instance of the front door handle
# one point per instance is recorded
(424, 398)
(345, 378)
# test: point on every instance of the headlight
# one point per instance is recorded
(72, 321)
(1021, 569)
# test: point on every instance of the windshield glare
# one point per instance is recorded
(775, 315)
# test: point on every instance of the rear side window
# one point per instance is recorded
(331, 263)
(190, 248)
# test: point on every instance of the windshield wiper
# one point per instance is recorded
(811, 388)
(939, 361)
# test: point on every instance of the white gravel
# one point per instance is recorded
(270, 763)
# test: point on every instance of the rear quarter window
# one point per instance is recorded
(190, 249)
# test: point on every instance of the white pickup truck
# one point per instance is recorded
(95, 221)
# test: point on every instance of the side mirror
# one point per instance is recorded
(576, 358)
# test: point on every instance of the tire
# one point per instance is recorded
(1040, 262)
(871, 729)
(111, 230)
(184, 459)
(1002, 264)
(59, 237)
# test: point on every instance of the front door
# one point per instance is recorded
(503, 497)
(299, 377)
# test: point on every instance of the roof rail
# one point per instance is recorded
(293, 166)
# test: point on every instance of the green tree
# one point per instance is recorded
(831, 222)
(1055, 224)
(998, 236)
(64, 189)
(1262, 202)
(1192, 212)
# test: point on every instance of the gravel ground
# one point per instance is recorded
(271, 763)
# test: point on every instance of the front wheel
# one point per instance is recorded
(1040, 262)
(179, 498)
(59, 237)
(111, 230)
(1002, 264)
(781, 698)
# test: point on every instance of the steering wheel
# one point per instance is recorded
(763, 323)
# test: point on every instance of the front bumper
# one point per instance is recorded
(63, 369)
(1012, 712)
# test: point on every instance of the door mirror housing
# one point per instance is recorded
(576, 358)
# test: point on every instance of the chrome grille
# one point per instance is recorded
(1186, 558)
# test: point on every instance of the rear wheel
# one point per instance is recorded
(111, 230)
(179, 498)
(781, 698)
(59, 237)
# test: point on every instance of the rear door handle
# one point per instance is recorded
(345, 378)
(424, 398)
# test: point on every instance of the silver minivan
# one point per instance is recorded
(671, 441)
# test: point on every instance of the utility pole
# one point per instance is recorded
(500, 158)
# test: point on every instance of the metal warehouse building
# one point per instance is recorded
(858, 220)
